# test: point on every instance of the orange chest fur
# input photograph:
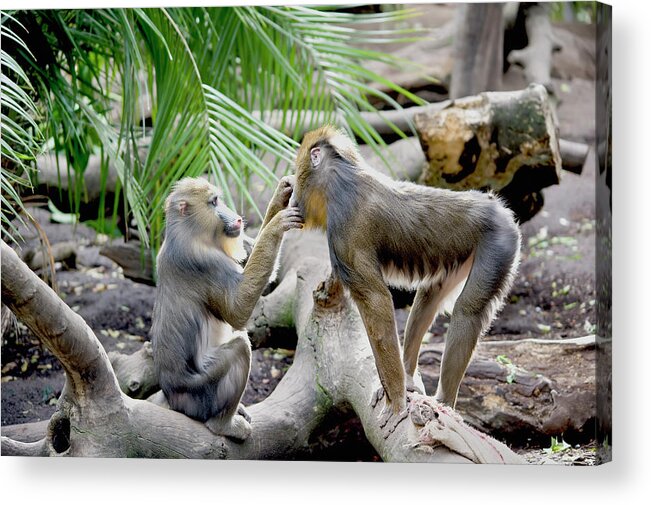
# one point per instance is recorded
(315, 210)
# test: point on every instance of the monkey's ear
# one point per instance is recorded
(316, 156)
(183, 205)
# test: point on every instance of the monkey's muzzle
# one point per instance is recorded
(233, 229)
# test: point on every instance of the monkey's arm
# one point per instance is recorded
(236, 305)
(280, 199)
(375, 305)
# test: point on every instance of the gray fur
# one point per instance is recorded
(203, 294)
(444, 243)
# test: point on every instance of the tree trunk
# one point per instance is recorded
(536, 58)
(333, 372)
(478, 48)
(520, 390)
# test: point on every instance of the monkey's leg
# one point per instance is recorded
(463, 333)
(230, 365)
(429, 300)
(376, 308)
(474, 310)
(241, 411)
(423, 312)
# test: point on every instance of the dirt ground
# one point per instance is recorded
(553, 297)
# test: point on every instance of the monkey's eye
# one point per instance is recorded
(214, 201)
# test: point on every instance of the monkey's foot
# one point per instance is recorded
(377, 396)
(411, 387)
(447, 399)
(237, 428)
(391, 416)
(159, 399)
(389, 420)
(243, 412)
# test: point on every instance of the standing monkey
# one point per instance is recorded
(203, 294)
(385, 232)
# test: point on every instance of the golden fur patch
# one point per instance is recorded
(315, 211)
(234, 247)
(336, 137)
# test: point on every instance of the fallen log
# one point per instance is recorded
(55, 179)
(404, 157)
(505, 142)
(333, 372)
(573, 155)
(525, 391)
(136, 262)
(39, 258)
(403, 120)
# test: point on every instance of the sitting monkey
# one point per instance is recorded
(203, 294)
(444, 243)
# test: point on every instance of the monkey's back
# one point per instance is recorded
(181, 321)
(416, 233)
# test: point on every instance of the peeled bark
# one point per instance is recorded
(333, 372)
(7, 319)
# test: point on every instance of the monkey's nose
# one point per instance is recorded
(238, 223)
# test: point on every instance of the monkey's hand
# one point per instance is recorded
(287, 219)
(281, 196)
(235, 427)
(243, 412)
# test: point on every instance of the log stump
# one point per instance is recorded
(500, 141)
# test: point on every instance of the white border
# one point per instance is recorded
(625, 480)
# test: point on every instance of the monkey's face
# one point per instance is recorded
(197, 205)
(231, 221)
(315, 167)
(309, 192)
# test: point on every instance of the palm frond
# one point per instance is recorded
(20, 137)
(332, 52)
(211, 78)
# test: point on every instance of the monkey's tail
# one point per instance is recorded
(496, 262)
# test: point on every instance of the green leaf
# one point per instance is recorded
(209, 76)
(60, 217)
(557, 445)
